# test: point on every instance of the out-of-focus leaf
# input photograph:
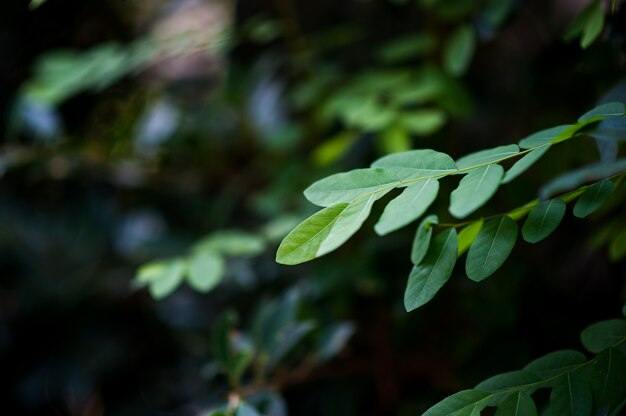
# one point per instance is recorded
(576, 178)
(406, 48)
(333, 149)
(458, 50)
(617, 248)
(333, 338)
(287, 338)
(423, 122)
(394, 139)
(232, 243)
(206, 269)
(163, 277)
(245, 409)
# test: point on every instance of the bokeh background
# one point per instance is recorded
(133, 130)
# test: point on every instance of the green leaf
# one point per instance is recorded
(408, 206)
(557, 362)
(468, 235)
(524, 163)
(458, 50)
(593, 198)
(232, 243)
(206, 269)
(433, 272)
(423, 122)
(286, 339)
(463, 403)
(487, 156)
(476, 188)
(543, 220)
(593, 25)
(334, 148)
(608, 379)
(347, 186)
(421, 241)
(574, 179)
(571, 397)
(602, 335)
(394, 139)
(548, 136)
(423, 163)
(491, 248)
(512, 379)
(517, 404)
(608, 110)
(163, 277)
(406, 47)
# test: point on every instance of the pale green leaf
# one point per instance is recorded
(433, 272)
(468, 235)
(602, 335)
(406, 47)
(593, 198)
(543, 220)
(347, 186)
(492, 246)
(476, 188)
(607, 110)
(575, 179)
(333, 338)
(170, 278)
(548, 136)
(617, 248)
(206, 269)
(408, 206)
(423, 163)
(571, 397)
(458, 50)
(593, 25)
(232, 243)
(487, 156)
(555, 363)
(517, 403)
(394, 139)
(524, 163)
(608, 379)
(466, 402)
(334, 148)
(421, 241)
(423, 122)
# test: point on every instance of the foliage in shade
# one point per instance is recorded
(524, 163)
(492, 246)
(468, 235)
(593, 198)
(458, 50)
(543, 220)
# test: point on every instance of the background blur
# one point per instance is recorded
(141, 131)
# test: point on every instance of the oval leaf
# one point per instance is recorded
(491, 248)
(593, 198)
(543, 220)
(206, 269)
(476, 188)
(433, 272)
(466, 402)
(347, 186)
(421, 241)
(557, 362)
(468, 235)
(487, 156)
(570, 397)
(408, 206)
(608, 383)
(581, 176)
(458, 50)
(524, 163)
(602, 335)
(423, 163)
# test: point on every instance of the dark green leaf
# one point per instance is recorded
(602, 335)
(433, 272)
(406, 47)
(408, 206)
(543, 220)
(524, 163)
(347, 186)
(463, 403)
(206, 269)
(458, 50)
(593, 25)
(232, 243)
(608, 379)
(593, 198)
(423, 163)
(607, 110)
(286, 339)
(333, 339)
(517, 404)
(512, 379)
(575, 179)
(476, 188)
(163, 277)
(555, 363)
(468, 235)
(491, 248)
(571, 397)
(487, 156)
(421, 242)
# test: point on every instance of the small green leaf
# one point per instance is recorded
(494, 243)
(602, 335)
(468, 235)
(517, 404)
(458, 50)
(433, 272)
(557, 362)
(423, 122)
(608, 379)
(487, 156)
(548, 136)
(347, 186)
(422, 163)
(571, 397)
(593, 25)
(463, 403)
(394, 139)
(543, 220)
(524, 163)
(206, 269)
(408, 206)
(512, 379)
(593, 198)
(232, 243)
(406, 47)
(574, 179)
(608, 110)
(168, 280)
(421, 241)
(476, 188)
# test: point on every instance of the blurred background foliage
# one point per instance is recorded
(154, 154)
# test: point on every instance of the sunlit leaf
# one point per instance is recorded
(475, 189)
(463, 403)
(492, 246)
(543, 220)
(408, 206)
(602, 335)
(433, 272)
